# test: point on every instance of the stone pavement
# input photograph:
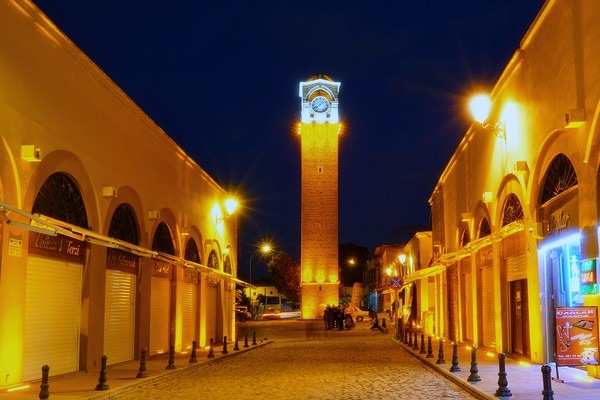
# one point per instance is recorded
(392, 368)
(525, 380)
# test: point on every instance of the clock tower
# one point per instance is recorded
(319, 129)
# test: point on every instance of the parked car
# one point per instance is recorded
(359, 314)
(274, 313)
(242, 314)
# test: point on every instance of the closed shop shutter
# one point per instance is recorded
(468, 309)
(516, 267)
(119, 316)
(189, 311)
(52, 317)
(211, 312)
(487, 307)
(160, 323)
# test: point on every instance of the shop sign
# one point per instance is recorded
(58, 246)
(588, 277)
(190, 275)
(15, 246)
(122, 260)
(161, 269)
(577, 335)
(559, 221)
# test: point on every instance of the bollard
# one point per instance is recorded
(398, 329)
(383, 323)
(254, 338)
(102, 385)
(474, 377)
(416, 345)
(455, 367)
(503, 390)
(171, 363)
(236, 347)
(440, 359)
(224, 346)
(44, 392)
(410, 343)
(142, 371)
(211, 353)
(193, 358)
(422, 344)
(429, 348)
(246, 339)
(547, 379)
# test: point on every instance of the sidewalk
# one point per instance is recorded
(525, 380)
(122, 377)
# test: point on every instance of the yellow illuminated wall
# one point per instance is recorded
(319, 225)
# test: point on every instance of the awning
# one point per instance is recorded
(423, 273)
(50, 226)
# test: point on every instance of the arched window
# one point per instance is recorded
(163, 241)
(559, 177)
(227, 265)
(464, 238)
(512, 210)
(484, 228)
(213, 260)
(123, 225)
(60, 198)
(191, 251)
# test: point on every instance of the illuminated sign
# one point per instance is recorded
(588, 276)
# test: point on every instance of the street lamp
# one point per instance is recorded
(264, 248)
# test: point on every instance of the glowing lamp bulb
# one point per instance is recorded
(480, 107)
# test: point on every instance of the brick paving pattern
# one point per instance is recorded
(335, 367)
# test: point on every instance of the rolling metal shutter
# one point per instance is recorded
(119, 316)
(516, 267)
(160, 322)
(52, 317)
(488, 318)
(190, 300)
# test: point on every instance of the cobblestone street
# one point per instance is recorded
(330, 366)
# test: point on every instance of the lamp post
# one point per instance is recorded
(264, 248)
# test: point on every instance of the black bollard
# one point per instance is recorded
(254, 338)
(193, 358)
(440, 359)
(44, 392)
(383, 323)
(410, 338)
(429, 348)
(142, 371)
(211, 352)
(455, 367)
(547, 379)
(236, 347)
(171, 363)
(102, 385)
(398, 329)
(503, 390)
(246, 339)
(416, 341)
(474, 377)
(406, 333)
(422, 351)
(224, 346)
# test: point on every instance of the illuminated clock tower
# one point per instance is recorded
(319, 129)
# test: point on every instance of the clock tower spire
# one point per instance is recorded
(319, 129)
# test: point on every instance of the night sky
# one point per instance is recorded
(221, 78)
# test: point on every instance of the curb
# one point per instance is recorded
(170, 374)
(469, 388)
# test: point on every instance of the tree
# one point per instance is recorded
(285, 272)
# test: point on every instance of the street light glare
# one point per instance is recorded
(480, 107)
(231, 205)
(265, 248)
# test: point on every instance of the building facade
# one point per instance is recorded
(112, 239)
(515, 212)
(319, 130)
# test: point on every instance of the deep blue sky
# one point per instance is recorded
(221, 78)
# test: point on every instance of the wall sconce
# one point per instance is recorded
(480, 106)
(31, 153)
(109, 191)
(153, 214)
(575, 118)
(487, 197)
(466, 217)
(230, 205)
(521, 167)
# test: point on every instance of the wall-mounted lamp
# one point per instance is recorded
(480, 106)
(153, 214)
(230, 205)
(466, 217)
(31, 153)
(575, 118)
(487, 197)
(109, 191)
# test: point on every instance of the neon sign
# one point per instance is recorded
(588, 277)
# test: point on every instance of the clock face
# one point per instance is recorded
(320, 104)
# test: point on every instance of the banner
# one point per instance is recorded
(577, 335)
